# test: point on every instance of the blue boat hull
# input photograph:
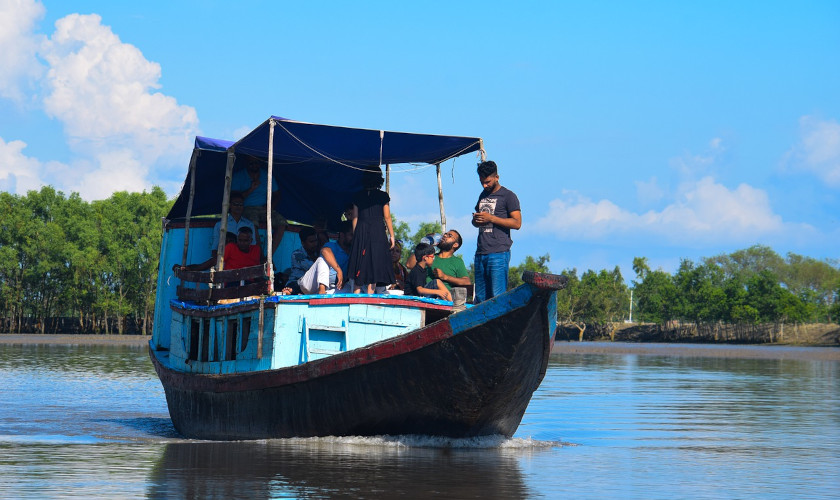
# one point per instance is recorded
(470, 374)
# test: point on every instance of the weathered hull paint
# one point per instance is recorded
(470, 374)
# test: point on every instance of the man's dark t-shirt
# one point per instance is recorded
(492, 238)
(417, 277)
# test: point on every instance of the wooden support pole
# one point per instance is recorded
(269, 229)
(220, 251)
(440, 200)
(195, 154)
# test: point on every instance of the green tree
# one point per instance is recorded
(571, 301)
(655, 297)
(402, 232)
(700, 296)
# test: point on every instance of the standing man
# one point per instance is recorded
(496, 213)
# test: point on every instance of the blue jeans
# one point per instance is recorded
(491, 275)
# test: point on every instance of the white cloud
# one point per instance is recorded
(18, 172)
(124, 134)
(102, 179)
(101, 89)
(818, 150)
(704, 212)
(18, 47)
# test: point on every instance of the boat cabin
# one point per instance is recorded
(234, 321)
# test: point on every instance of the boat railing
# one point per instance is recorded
(228, 284)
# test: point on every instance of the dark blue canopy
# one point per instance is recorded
(318, 167)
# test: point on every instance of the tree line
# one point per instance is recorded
(750, 286)
(62, 257)
(95, 265)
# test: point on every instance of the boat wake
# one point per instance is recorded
(421, 441)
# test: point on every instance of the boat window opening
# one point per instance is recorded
(231, 337)
(215, 341)
(432, 315)
(245, 333)
(204, 336)
(195, 326)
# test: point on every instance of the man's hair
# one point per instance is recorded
(246, 230)
(236, 194)
(306, 232)
(345, 226)
(486, 169)
(459, 240)
(422, 250)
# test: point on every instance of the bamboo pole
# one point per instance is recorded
(440, 200)
(195, 154)
(269, 229)
(220, 251)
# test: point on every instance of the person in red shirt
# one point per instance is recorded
(242, 253)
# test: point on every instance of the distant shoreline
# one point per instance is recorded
(749, 351)
(753, 351)
(68, 339)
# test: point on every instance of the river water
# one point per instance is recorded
(91, 422)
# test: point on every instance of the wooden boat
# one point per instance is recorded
(246, 363)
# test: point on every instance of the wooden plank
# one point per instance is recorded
(208, 294)
(227, 276)
(220, 310)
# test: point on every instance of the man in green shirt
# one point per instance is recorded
(446, 267)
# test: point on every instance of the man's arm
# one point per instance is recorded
(512, 222)
(452, 280)
(207, 264)
(329, 258)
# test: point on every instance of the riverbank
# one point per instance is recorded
(62, 339)
(811, 334)
(560, 347)
(805, 353)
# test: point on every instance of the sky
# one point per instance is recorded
(665, 130)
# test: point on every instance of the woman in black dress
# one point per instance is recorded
(370, 258)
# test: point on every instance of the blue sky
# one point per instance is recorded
(660, 129)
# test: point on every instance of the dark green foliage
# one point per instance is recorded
(594, 297)
(63, 257)
(754, 285)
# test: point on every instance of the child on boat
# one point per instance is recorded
(420, 281)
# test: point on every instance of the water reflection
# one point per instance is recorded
(331, 468)
(78, 360)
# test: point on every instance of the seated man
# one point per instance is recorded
(420, 281)
(242, 253)
(235, 220)
(448, 268)
(302, 259)
(328, 272)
